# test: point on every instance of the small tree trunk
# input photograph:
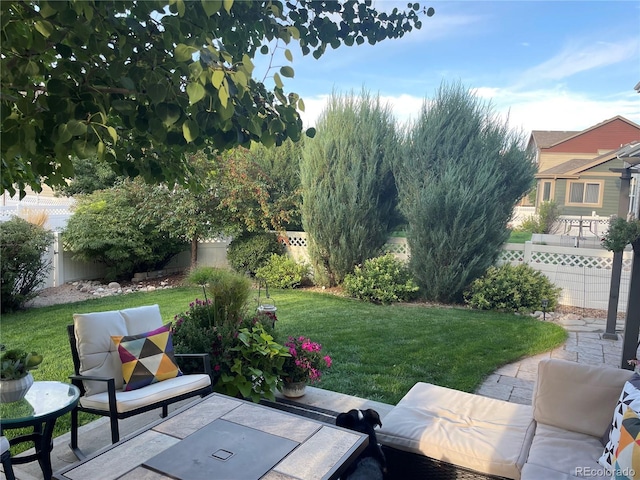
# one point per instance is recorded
(194, 252)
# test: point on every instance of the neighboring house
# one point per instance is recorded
(574, 167)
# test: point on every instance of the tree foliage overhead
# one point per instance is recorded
(348, 191)
(459, 179)
(140, 83)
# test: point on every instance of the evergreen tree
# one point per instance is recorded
(461, 174)
(348, 191)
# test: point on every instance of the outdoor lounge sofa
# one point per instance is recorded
(98, 367)
(436, 432)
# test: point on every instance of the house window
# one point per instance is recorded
(585, 193)
(546, 191)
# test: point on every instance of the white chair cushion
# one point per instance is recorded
(563, 454)
(156, 392)
(97, 352)
(479, 433)
(142, 319)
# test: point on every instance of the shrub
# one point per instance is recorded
(381, 280)
(244, 357)
(109, 226)
(249, 252)
(282, 271)
(460, 175)
(509, 288)
(228, 292)
(22, 266)
(545, 221)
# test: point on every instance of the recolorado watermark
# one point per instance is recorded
(604, 472)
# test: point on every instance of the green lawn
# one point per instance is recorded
(519, 237)
(379, 352)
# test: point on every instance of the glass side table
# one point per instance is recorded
(43, 404)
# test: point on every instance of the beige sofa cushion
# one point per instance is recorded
(577, 397)
(561, 454)
(97, 352)
(483, 434)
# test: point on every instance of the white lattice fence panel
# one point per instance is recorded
(514, 257)
(571, 260)
(296, 239)
(398, 247)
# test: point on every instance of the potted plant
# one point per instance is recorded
(304, 366)
(15, 375)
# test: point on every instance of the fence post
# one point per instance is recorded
(528, 250)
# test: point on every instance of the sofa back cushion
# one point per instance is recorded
(97, 353)
(577, 397)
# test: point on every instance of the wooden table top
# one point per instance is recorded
(323, 450)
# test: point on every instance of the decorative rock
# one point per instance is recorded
(114, 285)
(151, 288)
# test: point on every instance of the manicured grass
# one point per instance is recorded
(519, 237)
(379, 352)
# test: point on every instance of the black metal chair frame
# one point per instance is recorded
(7, 466)
(113, 413)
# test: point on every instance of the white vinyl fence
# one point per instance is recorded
(584, 274)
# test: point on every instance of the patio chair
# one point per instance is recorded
(6, 458)
(124, 365)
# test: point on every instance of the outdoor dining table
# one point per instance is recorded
(220, 437)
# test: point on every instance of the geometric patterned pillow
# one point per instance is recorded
(626, 465)
(629, 399)
(147, 357)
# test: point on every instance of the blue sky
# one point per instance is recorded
(560, 65)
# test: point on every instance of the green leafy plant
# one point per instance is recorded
(22, 266)
(383, 280)
(16, 363)
(241, 348)
(512, 288)
(306, 361)
(251, 251)
(282, 271)
(257, 365)
(620, 234)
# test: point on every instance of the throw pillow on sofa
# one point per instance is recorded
(629, 399)
(147, 357)
(626, 462)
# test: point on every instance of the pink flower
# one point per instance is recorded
(327, 360)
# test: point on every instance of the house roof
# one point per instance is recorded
(546, 138)
(574, 167)
(551, 138)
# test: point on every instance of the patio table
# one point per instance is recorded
(43, 404)
(221, 437)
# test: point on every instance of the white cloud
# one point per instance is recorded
(577, 57)
(532, 110)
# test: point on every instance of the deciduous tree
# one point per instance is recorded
(139, 83)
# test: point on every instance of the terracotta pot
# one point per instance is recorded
(293, 389)
(14, 390)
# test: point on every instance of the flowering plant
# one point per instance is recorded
(306, 361)
(244, 357)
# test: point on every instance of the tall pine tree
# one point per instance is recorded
(459, 179)
(349, 195)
